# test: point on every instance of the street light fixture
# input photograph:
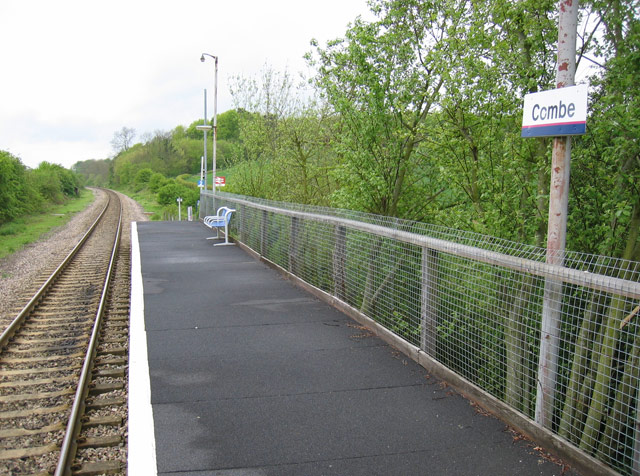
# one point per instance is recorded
(215, 117)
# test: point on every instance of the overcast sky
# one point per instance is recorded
(72, 72)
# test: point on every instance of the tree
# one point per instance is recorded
(17, 193)
(268, 101)
(283, 138)
(122, 140)
(383, 80)
(94, 172)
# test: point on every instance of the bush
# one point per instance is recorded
(48, 185)
(54, 182)
(17, 192)
(156, 181)
(168, 194)
(143, 176)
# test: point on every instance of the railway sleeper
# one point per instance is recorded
(22, 340)
(101, 360)
(118, 372)
(57, 314)
(32, 382)
(36, 396)
(108, 441)
(59, 334)
(99, 403)
(47, 327)
(95, 468)
(33, 411)
(24, 360)
(100, 388)
(40, 370)
(51, 348)
(115, 351)
(110, 420)
(20, 432)
(118, 339)
(28, 452)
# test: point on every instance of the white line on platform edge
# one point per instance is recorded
(141, 459)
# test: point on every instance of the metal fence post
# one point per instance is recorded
(294, 264)
(428, 301)
(263, 232)
(240, 222)
(339, 262)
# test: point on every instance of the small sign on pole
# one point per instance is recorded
(558, 112)
(221, 181)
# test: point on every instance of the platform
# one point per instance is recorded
(249, 375)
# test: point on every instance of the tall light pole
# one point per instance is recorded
(215, 120)
(205, 128)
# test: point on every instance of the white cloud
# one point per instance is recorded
(74, 72)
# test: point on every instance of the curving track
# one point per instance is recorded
(63, 363)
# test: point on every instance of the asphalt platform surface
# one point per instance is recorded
(252, 376)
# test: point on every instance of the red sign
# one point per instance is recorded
(220, 181)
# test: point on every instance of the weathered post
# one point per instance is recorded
(340, 263)
(240, 223)
(294, 264)
(428, 301)
(557, 226)
(263, 232)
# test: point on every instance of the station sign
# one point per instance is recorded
(221, 181)
(558, 112)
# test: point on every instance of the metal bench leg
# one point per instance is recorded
(226, 238)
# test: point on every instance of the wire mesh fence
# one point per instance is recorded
(491, 310)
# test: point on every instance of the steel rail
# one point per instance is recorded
(67, 451)
(19, 319)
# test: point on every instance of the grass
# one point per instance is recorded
(30, 228)
(146, 199)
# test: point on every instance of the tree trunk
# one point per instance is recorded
(515, 345)
(572, 416)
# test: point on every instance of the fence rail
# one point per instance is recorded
(474, 304)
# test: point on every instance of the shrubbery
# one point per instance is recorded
(24, 190)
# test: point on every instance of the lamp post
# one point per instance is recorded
(205, 128)
(215, 119)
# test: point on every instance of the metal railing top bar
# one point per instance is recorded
(587, 279)
(597, 264)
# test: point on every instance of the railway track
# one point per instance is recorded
(63, 363)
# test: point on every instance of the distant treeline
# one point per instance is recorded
(24, 190)
(171, 153)
(162, 160)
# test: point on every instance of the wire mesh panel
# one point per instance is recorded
(475, 304)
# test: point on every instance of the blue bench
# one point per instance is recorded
(221, 219)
